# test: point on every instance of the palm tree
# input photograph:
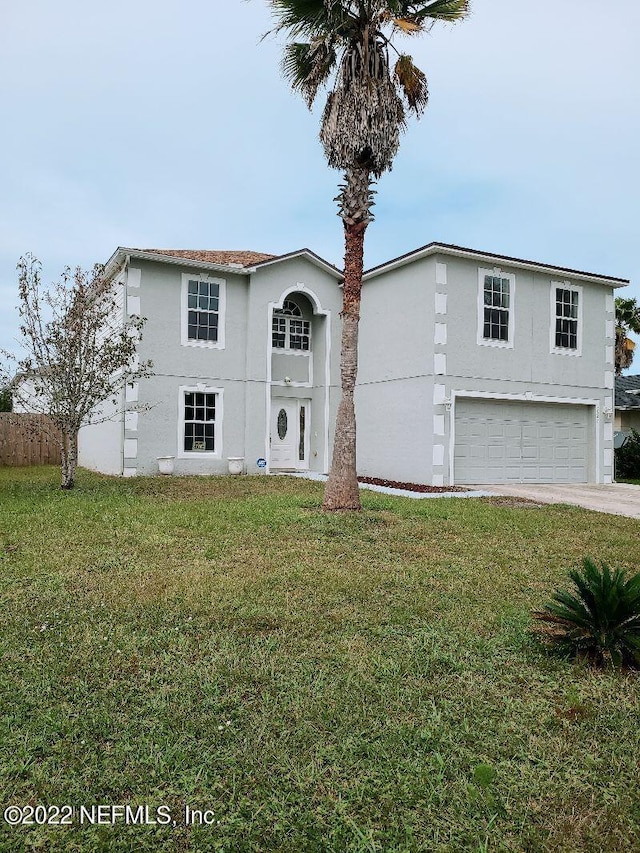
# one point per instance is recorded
(347, 45)
(627, 320)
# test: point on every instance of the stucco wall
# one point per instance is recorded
(100, 445)
(394, 394)
(242, 372)
(420, 325)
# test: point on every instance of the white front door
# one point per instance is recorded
(289, 419)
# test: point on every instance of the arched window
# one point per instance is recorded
(289, 330)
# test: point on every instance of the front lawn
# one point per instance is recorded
(319, 682)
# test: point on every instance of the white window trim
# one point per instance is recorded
(217, 429)
(286, 348)
(555, 350)
(490, 342)
(184, 318)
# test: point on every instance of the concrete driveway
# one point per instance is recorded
(617, 499)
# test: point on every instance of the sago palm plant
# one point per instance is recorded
(600, 620)
(348, 46)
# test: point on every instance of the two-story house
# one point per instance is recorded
(245, 348)
(474, 368)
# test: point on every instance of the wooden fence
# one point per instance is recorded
(24, 441)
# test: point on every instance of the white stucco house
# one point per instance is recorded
(474, 367)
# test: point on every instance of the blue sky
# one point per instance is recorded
(168, 125)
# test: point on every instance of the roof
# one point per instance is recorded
(225, 257)
(625, 388)
(240, 262)
(461, 251)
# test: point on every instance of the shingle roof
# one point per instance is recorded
(625, 384)
(243, 258)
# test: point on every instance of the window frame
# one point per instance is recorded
(184, 324)
(288, 318)
(511, 278)
(554, 349)
(217, 428)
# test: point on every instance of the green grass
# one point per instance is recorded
(320, 682)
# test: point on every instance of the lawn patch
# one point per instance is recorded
(321, 682)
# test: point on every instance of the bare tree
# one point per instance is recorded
(80, 351)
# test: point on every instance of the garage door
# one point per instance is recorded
(504, 442)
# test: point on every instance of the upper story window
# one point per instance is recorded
(566, 318)
(203, 300)
(496, 292)
(289, 330)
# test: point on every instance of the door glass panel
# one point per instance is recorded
(282, 424)
(302, 425)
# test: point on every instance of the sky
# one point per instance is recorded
(168, 125)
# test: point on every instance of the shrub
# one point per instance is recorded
(6, 403)
(628, 457)
(600, 620)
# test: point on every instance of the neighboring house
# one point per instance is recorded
(627, 404)
(474, 367)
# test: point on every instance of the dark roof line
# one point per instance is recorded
(451, 247)
(304, 250)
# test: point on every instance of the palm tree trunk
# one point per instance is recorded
(341, 491)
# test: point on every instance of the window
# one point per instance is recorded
(565, 333)
(495, 308)
(204, 302)
(200, 418)
(203, 311)
(289, 330)
(566, 318)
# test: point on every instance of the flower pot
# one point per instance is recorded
(236, 464)
(165, 464)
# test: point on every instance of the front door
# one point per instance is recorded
(289, 434)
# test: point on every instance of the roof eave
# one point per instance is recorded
(122, 255)
(307, 253)
(519, 263)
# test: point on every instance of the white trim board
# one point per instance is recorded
(270, 384)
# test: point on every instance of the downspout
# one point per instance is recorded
(125, 284)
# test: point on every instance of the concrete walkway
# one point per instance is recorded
(617, 499)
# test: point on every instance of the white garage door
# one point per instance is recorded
(505, 442)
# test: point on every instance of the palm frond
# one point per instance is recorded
(365, 110)
(440, 10)
(310, 18)
(407, 26)
(308, 66)
(412, 82)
